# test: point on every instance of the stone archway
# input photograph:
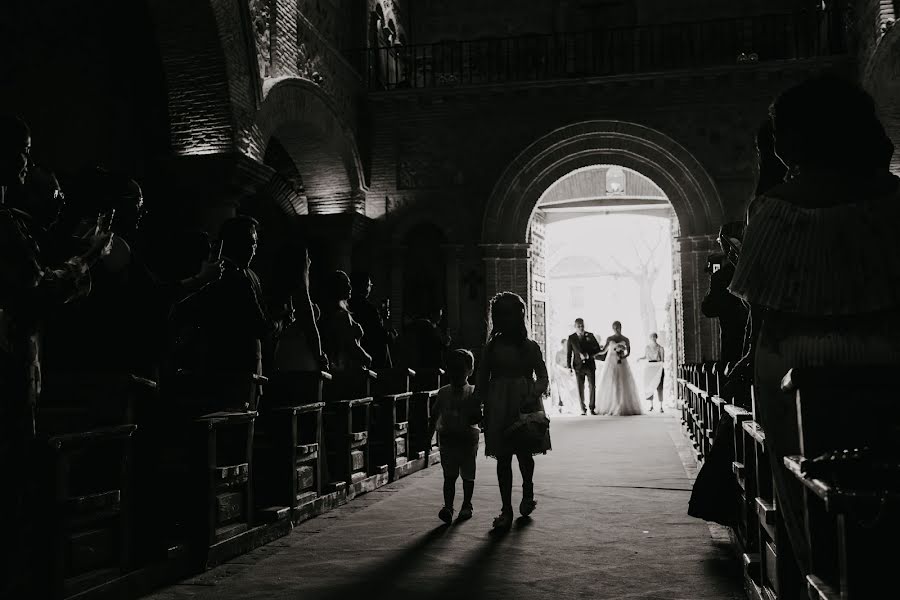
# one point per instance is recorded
(649, 152)
(305, 122)
(689, 188)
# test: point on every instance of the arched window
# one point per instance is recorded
(615, 180)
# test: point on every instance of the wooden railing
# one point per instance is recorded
(158, 491)
(850, 513)
(606, 52)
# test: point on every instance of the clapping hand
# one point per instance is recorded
(210, 271)
(100, 246)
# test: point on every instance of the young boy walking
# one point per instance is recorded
(455, 417)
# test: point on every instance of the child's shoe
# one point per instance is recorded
(465, 513)
(527, 506)
(446, 515)
(504, 521)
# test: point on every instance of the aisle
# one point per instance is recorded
(610, 524)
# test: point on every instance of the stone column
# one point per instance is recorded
(506, 269)
(699, 334)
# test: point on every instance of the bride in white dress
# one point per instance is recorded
(617, 392)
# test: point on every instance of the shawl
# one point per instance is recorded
(832, 261)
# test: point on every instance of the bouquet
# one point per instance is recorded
(620, 349)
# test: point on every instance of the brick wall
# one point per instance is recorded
(438, 20)
(439, 154)
(879, 62)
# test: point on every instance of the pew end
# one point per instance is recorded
(89, 508)
(393, 381)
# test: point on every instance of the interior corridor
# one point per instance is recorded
(611, 523)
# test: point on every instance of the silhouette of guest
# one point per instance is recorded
(377, 338)
(427, 341)
(299, 346)
(820, 262)
(341, 334)
(30, 288)
(232, 319)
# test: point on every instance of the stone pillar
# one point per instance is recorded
(452, 259)
(506, 269)
(699, 334)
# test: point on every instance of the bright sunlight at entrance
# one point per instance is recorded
(604, 235)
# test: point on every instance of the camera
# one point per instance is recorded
(714, 263)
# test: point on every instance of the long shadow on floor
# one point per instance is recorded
(378, 581)
(473, 575)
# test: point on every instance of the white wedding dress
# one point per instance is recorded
(617, 392)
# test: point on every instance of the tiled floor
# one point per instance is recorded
(611, 523)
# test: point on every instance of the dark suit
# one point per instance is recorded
(584, 368)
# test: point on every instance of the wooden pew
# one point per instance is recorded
(390, 424)
(89, 522)
(777, 565)
(289, 450)
(348, 427)
(743, 466)
(221, 458)
(851, 519)
(752, 450)
(425, 385)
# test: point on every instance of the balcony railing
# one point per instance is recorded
(611, 51)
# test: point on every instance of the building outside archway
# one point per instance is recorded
(509, 244)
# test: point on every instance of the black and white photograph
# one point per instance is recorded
(449, 299)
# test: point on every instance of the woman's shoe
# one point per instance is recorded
(527, 506)
(465, 513)
(504, 521)
(446, 515)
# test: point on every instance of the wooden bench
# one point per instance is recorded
(89, 509)
(289, 449)
(742, 466)
(425, 385)
(851, 522)
(777, 564)
(348, 427)
(390, 424)
(206, 468)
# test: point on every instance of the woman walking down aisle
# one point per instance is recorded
(654, 373)
(514, 423)
(617, 393)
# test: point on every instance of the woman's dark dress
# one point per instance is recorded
(507, 384)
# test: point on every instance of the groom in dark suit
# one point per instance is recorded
(580, 351)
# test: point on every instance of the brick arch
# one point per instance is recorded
(880, 79)
(447, 221)
(649, 152)
(305, 121)
(210, 73)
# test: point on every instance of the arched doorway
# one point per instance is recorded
(601, 250)
(685, 183)
(316, 172)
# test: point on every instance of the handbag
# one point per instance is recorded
(529, 431)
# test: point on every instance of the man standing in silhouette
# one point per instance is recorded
(580, 351)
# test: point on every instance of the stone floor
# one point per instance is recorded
(611, 523)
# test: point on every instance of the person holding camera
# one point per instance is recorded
(720, 304)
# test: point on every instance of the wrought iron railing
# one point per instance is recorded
(611, 51)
